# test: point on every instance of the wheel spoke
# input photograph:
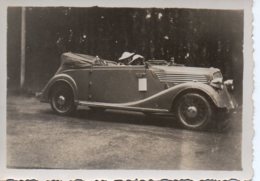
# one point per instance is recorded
(62, 100)
(193, 110)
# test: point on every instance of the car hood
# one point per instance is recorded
(184, 70)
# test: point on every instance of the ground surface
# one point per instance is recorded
(37, 138)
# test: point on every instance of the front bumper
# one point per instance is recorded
(227, 100)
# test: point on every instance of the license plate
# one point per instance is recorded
(142, 84)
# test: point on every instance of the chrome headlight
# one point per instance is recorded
(229, 84)
(217, 83)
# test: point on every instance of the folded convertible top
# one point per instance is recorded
(76, 59)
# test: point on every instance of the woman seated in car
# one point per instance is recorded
(128, 58)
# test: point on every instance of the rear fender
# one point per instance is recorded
(60, 78)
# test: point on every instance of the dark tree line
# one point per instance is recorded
(205, 38)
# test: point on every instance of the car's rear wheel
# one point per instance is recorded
(193, 111)
(62, 100)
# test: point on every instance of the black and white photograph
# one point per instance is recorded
(128, 88)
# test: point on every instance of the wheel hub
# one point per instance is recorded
(192, 112)
(61, 100)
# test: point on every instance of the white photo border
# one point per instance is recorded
(247, 124)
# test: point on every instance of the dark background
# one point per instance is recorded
(194, 37)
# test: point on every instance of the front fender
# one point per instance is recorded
(221, 97)
(166, 98)
(59, 78)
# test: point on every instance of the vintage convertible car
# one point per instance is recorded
(193, 95)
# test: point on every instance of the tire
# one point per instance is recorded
(62, 100)
(193, 111)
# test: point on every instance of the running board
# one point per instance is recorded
(120, 107)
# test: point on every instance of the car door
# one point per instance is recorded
(82, 80)
(117, 84)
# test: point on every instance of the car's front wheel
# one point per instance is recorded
(62, 100)
(193, 111)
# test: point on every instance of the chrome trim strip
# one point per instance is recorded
(172, 72)
(120, 106)
(175, 81)
(162, 73)
(180, 78)
(190, 78)
(183, 78)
